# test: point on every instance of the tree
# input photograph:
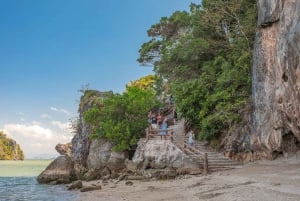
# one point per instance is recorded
(9, 149)
(122, 118)
(204, 57)
(146, 82)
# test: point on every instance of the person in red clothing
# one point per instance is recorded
(159, 120)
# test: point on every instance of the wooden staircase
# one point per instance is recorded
(212, 160)
(216, 160)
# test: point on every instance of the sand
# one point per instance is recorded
(277, 180)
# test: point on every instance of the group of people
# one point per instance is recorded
(157, 122)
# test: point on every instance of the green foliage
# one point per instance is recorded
(92, 97)
(204, 59)
(9, 150)
(146, 82)
(122, 118)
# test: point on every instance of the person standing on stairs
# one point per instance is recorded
(153, 122)
(191, 136)
(174, 116)
(159, 120)
(163, 129)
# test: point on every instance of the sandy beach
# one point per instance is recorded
(277, 180)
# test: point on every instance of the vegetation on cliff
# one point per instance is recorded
(204, 59)
(122, 118)
(9, 149)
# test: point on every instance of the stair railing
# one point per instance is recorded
(192, 150)
(152, 132)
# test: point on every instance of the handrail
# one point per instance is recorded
(193, 150)
(150, 132)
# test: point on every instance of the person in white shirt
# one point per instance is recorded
(191, 140)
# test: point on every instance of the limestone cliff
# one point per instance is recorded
(272, 125)
(276, 78)
(93, 159)
(9, 149)
(84, 158)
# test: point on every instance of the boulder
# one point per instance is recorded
(162, 159)
(75, 185)
(64, 149)
(102, 161)
(59, 171)
(116, 162)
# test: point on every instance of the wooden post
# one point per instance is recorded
(205, 163)
(147, 133)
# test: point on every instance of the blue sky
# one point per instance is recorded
(49, 49)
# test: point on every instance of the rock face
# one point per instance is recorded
(64, 149)
(81, 142)
(9, 149)
(61, 170)
(162, 156)
(102, 161)
(276, 79)
(93, 158)
(84, 158)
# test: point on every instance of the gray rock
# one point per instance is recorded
(90, 188)
(128, 183)
(64, 149)
(81, 142)
(103, 162)
(158, 154)
(269, 11)
(59, 171)
(75, 185)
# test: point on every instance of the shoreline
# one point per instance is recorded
(260, 181)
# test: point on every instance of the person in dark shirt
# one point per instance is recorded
(174, 116)
(153, 121)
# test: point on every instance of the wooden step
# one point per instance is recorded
(216, 160)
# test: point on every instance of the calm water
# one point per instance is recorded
(18, 183)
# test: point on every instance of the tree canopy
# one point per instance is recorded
(122, 118)
(204, 58)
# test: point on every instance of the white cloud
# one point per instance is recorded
(21, 114)
(45, 116)
(36, 140)
(62, 126)
(36, 123)
(60, 110)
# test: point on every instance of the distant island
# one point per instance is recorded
(9, 149)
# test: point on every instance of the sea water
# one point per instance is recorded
(18, 183)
